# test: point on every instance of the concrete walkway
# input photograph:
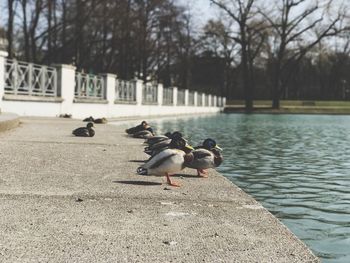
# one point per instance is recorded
(68, 199)
(8, 121)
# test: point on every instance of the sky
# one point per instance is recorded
(202, 9)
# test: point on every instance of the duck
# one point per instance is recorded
(100, 121)
(206, 156)
(166, 137)
(148, 133)
(155, 139)
(168, 161)
(140, 127)
(89, 119)
(145, 133)
(158, 146)
(87, 131)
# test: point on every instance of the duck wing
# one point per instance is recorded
(168, 161)
(81, 132)
(202, 159)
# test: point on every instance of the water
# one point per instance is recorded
(297, 166)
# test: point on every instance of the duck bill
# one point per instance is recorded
(189, 147)
(217, 147)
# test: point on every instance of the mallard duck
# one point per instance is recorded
(162, 144)
(167, 137)
(206, 156)
(141, 127)
(168, 162)
(89, 119)
(87, 131)
(144, 134)
(100, 121)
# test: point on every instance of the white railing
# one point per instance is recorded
(168, 96)
(23, 78)
(125, 91)
(89, 86)
(219, 102)
(181, 97)
(28, 79)
(200, 99)
(191, 98)
(149, 93)
(212, 100)
(206, 100)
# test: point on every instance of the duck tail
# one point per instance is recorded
(142, 171)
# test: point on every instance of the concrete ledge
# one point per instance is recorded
(65, 199)
(125, 102)
(31, 98)
(8, 121)
(91, 101)
(149, 103)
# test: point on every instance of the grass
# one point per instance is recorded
(294, 106)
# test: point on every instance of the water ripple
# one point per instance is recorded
(297, 166)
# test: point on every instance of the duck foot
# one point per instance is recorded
(202, 173)
(172, 183)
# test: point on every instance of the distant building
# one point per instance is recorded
(3, 40)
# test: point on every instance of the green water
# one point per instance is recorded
(297, 166)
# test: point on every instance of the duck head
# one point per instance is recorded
(210, 144)
(176, 134)
(89, 125)
(168, 134)
(181, 144)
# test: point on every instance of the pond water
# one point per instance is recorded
(297, 166)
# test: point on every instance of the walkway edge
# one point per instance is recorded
(8, 121)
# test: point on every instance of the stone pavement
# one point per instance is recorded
(8, 121)
(69, 199)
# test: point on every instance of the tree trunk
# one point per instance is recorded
(10, 28)
(248, 92)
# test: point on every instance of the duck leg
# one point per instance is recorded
(202, 173)
(172, 183)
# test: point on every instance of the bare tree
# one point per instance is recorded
(241, 12)
(217, 40)
(10, 26)
(292, 38)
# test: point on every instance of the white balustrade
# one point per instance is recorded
(64, 90)
(89, 86)
(149, 93)
(23, 78)
(125, 91)
(200, 99)
(181, 97)
(168, 98)
(191, 98)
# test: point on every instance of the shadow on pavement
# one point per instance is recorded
(145, 183)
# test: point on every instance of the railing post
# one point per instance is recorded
(66, 86)
(160, 94)
(215, 101)
(195, 98)
(3, 56)
(139, 89)
(187, 94)
(209, 100)
(175, 96)
(223, 101)
(109, 81)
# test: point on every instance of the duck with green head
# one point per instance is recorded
(206, 156)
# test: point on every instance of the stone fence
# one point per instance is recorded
(36, 90)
